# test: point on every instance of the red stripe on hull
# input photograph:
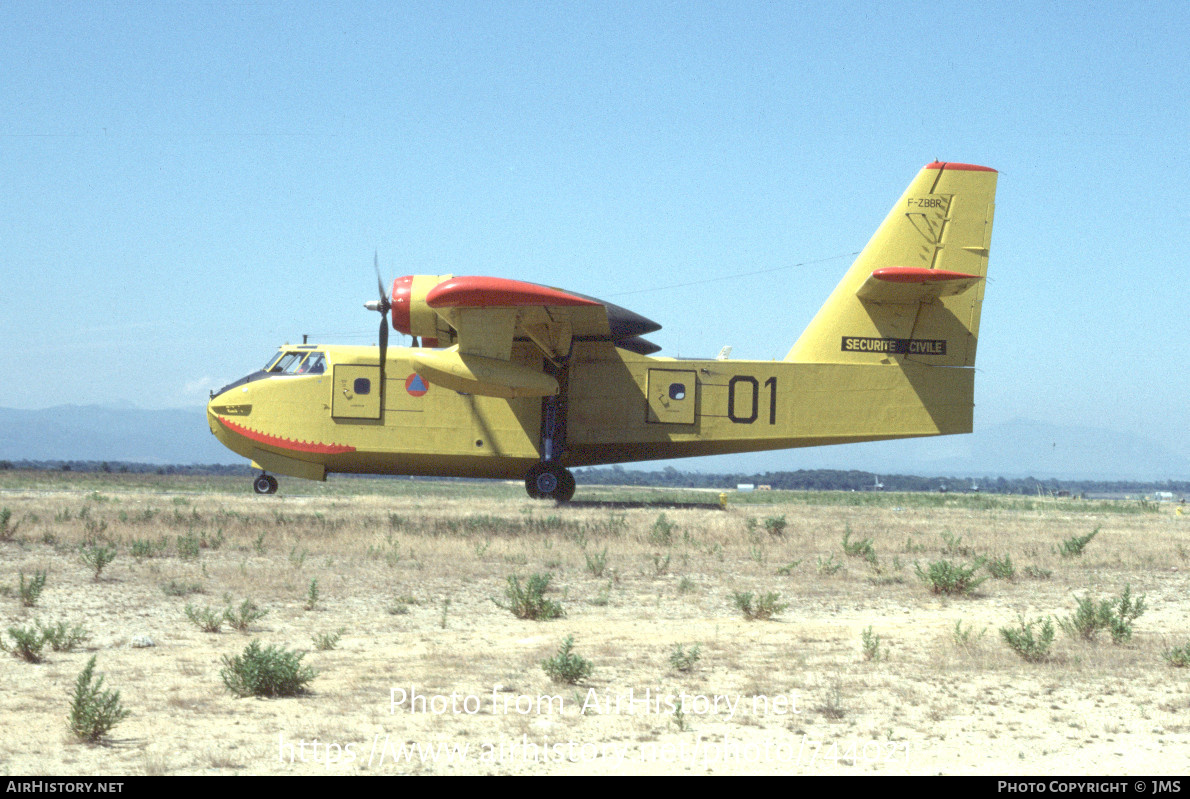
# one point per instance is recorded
(286, 443)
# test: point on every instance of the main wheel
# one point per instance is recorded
(265, 484)
(549, 481)
(566, 486)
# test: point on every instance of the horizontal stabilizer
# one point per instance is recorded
(913, 284)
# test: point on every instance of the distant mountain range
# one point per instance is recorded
(105, 433)
(1012, 449)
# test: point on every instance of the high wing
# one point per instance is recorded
(489, 314)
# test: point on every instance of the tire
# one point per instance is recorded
(261, 484)
(566, 486)
(550, 481)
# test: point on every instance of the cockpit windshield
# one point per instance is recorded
(296, 363)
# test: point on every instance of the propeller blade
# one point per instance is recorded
(384, 301)
(383, 306)
(383, 342)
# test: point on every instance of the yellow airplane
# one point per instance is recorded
(516, 380)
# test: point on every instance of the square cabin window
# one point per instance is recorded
(362, 385)
(677, 391)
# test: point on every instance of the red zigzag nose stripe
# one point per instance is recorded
(286, 443)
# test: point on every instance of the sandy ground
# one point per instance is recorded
(432, 676)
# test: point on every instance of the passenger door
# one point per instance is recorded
(673, 394)
(355, 392)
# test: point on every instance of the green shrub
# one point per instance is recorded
(206, 619)
(178, 588)
(565, 666)
(661, 563)
(1073, 547)
(775, 526)
(663, 531)
(965, 638)
(312, 595)
(62, 638)
(1124, 612)
(596, 563)
(1178, 657)
(829, 566)
(7, 528)
(871, 644)
(144, 548)
(268, 671)
(1032, 648)
(31, 590)
(1114, 615)
(684, 660)
(324, 642)
(97, 557)
(27, 643)
(953, 545)
(243, 617)
(944, 577)
(766, 606)
(858, 549)
(530, 602)
(93, 711)
(1002, 569)
(189, 546)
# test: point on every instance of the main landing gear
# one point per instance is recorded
(265, 484)
(550, 481)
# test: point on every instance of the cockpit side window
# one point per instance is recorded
(297, 363)
(314, 364)
(287, 363)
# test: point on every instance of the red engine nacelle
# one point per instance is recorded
(413, 317)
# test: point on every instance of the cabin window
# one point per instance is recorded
(286, 363)
(677, 391)
(314, 364)
(297, 363)
(362, 385)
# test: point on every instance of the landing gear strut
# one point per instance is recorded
(550, 481)
(265, 484)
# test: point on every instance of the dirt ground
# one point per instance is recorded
(431, 675)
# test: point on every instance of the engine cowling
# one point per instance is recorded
(413, 317)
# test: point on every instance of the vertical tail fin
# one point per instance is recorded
(916, 289)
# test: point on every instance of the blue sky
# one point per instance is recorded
(187, 185)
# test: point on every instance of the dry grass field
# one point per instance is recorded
(431, 675)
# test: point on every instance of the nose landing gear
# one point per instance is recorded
(265, 484)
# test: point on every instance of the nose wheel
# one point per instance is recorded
(265, 484)
(550, 481)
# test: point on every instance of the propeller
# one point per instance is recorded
(383, 305)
